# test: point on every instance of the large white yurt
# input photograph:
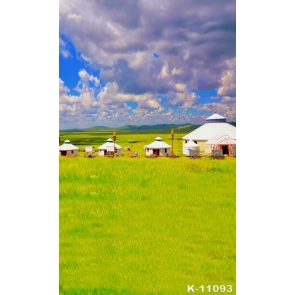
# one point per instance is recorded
(221, 142)
(190, 146)
(67, 149)
(215, 125)
(109, 146)
(158, 148)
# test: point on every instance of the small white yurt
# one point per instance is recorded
(109, 146)
(67, 149)
(190, 146)
(158, 148)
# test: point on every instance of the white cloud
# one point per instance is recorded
(164, 72)
(177, 72)
(62, 88)
(84, 85)
(184, 99)
(180, 87)
(228, 99)
(228, 80)
(73, 16)
(119, 39)
(111, 94)
(150, 104)
(61, 42)
(65, 53)
(68, 99)
(139, 60)
(63, 48)
(112, 29)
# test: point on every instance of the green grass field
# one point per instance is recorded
(145, 226)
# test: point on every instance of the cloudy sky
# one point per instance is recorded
(146, 62)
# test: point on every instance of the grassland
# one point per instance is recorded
(144, 226)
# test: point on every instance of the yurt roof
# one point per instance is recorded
(221, 139)
(209, 130)
(109, 143)
(158, 144)
(215, 116)
(67, 146)
(190, 143)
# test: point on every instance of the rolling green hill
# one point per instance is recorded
(150, 128)
(162, 127)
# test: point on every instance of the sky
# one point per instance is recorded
(142, 62)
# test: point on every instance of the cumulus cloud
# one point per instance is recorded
(63, 48)
(228, 99)
(85, 81)
(177, 72)
(111, 95)
(186, 34)
(62, 88)
(144, 49)
(183, 100)
(228, 80)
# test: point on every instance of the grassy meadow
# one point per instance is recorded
(144, 226)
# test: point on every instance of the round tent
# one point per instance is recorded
(190, 146)
(109, 147)
(215, 125)
(158, 148)
(221, 142)
(67, 149)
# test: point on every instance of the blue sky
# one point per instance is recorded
(138, 62)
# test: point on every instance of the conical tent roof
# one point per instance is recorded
(221, 139)
(190, 143)
(109, 143)
(215, 116)
(67, 146)
(215, 125)
(158, 144)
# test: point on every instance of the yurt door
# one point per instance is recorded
(225, 149)
(156, 152)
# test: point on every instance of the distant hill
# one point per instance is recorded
(135, 127)
(144, 128)
(98, 128)
(156, 127)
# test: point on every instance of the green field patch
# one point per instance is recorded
(145, 227)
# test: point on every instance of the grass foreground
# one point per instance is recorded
(146, 226)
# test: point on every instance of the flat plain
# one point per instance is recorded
(145, 226)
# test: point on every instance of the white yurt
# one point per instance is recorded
(221, 142)
(215, 125)
(109, 146)
(158, 148)
(190, 146)
(67, 149)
